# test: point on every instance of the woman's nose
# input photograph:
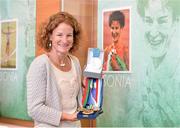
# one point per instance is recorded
(64, 39)
(154, 31)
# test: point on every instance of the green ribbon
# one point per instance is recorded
(120, 63)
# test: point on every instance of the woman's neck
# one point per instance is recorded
(157, 61)
(58, 59)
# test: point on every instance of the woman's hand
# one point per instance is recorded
(73, 116)
(84, 82)
(114, 63)
(69, 117)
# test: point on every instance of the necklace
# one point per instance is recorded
(62, 64)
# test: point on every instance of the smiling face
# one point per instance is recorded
(159, 27)
(115, 31)
(62, 38)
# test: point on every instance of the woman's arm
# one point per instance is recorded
(36, 95)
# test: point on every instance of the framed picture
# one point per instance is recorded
(8, 44)
(116, 40)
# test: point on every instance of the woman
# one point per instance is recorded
(116, 54)
(158, 100)
(54, 78)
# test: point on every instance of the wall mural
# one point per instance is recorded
(17, 32)
(150, 94)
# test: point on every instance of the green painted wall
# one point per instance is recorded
(13, 82)
(150, 94)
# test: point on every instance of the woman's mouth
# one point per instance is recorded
(63, 45)
(156, 40)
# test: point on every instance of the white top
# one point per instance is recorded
(68, 88)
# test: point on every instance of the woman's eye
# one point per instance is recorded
(112, 28)
(70, 35)
(60, 35)
(162, 20)
(148, 20)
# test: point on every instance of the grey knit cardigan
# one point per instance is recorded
(43, 98)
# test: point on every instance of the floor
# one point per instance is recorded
(4, 125)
